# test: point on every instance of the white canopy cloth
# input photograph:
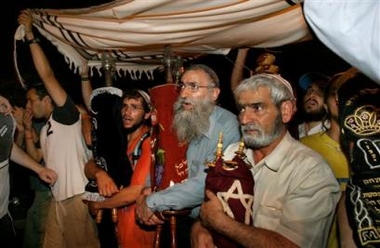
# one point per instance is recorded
(136, 32)
(351, 29)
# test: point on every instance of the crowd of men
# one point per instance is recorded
(303, 196)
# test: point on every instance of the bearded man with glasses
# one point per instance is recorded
(198, 121)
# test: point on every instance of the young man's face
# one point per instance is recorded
(35, 104)
(313, 100)
(132, 112)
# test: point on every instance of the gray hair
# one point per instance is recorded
(210, 72)
(280, 89)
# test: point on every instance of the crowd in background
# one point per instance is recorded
(311, 145)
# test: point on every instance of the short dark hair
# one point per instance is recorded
(40, 90)
(139, 94)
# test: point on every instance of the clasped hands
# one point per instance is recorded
(143, 213)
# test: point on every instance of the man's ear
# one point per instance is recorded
(147, 115)
(215, 94)
(288, 108)
(47, 99)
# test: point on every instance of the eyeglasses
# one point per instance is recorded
(132, 108)
(193, 87)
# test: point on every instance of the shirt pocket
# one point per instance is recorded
(267, 216)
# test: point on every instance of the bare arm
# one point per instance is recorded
(213, 216)
(41, 62)
(345, 231)
(124, 197)
(86, 87)
(106, 186)
(20, 157)
(237, 71)
(200, 236)
(86, 124)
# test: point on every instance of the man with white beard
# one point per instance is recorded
(295, 191)
(198, 121)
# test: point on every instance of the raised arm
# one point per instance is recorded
(41, 62)
(86, 86)
(237, 71)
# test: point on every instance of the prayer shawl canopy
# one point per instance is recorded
(136, 32)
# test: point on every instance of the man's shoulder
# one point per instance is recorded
(313, 138)
(297, 150)
(223, 111)
(306, 161)
(306, 155)
(226, 122)
(223, 115)
(67, 114)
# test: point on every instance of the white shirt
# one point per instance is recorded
(65, 152)
(302, 130)
(295, 192)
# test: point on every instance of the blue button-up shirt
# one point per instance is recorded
(190, 193)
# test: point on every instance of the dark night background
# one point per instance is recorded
(293, 61)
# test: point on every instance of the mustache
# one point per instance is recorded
(180, 101)
(128, 118)
(311, 100)
(251, 127)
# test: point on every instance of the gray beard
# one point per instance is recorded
(189, 124)
(262, 139)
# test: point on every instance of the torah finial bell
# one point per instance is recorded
(219, 147)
